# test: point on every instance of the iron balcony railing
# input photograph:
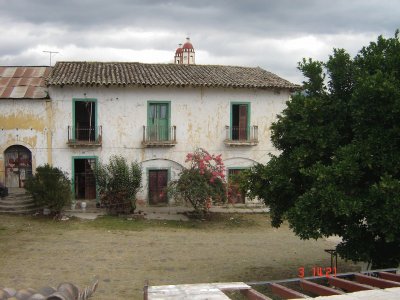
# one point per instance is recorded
(159, 135)
(242, 135)
(85, 135)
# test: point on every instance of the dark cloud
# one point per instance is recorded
(252, 32)
(263, 17)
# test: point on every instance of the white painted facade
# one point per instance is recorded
(199, 114)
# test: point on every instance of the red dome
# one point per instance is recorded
(178, 51)
(187, 45)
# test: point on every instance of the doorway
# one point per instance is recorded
(18, 166)
(237, 196)
(84, 179)
(240, 120)
(158, 181)
(85, 120)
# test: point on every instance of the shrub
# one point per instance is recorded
(203, 183)
(50, 188)
(117, 184)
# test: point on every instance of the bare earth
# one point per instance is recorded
(122, 254)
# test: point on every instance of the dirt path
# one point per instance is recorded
(37, 253)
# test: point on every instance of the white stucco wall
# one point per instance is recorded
(199, 114)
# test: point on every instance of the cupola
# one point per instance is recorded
(185, 54)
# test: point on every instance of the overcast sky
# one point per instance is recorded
(274, 35)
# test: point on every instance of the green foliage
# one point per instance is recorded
(338, 172)
(117, 184)
(202, 184)
(50, 188)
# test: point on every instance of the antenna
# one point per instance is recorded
(50, 54)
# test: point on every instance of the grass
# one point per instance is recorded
(215, 221)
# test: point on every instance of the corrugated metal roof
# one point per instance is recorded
(23, 82)
(126, 73)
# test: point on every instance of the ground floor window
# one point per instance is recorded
(18, 166)
(235, 198)
(158, 181)
(84, 179)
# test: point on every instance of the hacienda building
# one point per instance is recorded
(151, 113)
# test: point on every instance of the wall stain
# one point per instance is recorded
(22, 121)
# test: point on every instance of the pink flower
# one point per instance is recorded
(189, 157)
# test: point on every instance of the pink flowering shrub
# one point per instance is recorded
(203, 183)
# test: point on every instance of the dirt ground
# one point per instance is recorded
(122, 253)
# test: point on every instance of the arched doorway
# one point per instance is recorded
(18, 165)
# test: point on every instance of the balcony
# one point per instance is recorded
(84, 137)
(159, 136)
(241, 136)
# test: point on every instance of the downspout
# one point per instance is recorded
(49, 113)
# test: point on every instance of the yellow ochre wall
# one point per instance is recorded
(28, 123)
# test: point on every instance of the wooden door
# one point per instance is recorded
(158, 121)
(243, 122)
(158, 181)
(237, 196)
(18, 166)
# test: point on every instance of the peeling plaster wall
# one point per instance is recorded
(26, 122)
(199, 114)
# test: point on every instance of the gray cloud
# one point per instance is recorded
(268, 17)
(271, 34)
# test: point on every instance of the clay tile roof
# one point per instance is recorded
(139, 74)
(23, 82)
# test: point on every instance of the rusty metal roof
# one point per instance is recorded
(23, 82)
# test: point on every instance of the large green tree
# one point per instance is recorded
(338, 171)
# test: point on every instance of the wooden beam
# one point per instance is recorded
(348, 285)
(318, 289)
(252, 294)
(284, 292)
(378, 282)
(389, 276)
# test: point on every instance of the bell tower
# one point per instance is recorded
(185, 54)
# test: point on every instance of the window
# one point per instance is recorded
(158, 122)
(85, 121)
(240, 119)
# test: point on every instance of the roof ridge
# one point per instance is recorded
(159, 63)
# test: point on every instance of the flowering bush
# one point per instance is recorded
(203, 183)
